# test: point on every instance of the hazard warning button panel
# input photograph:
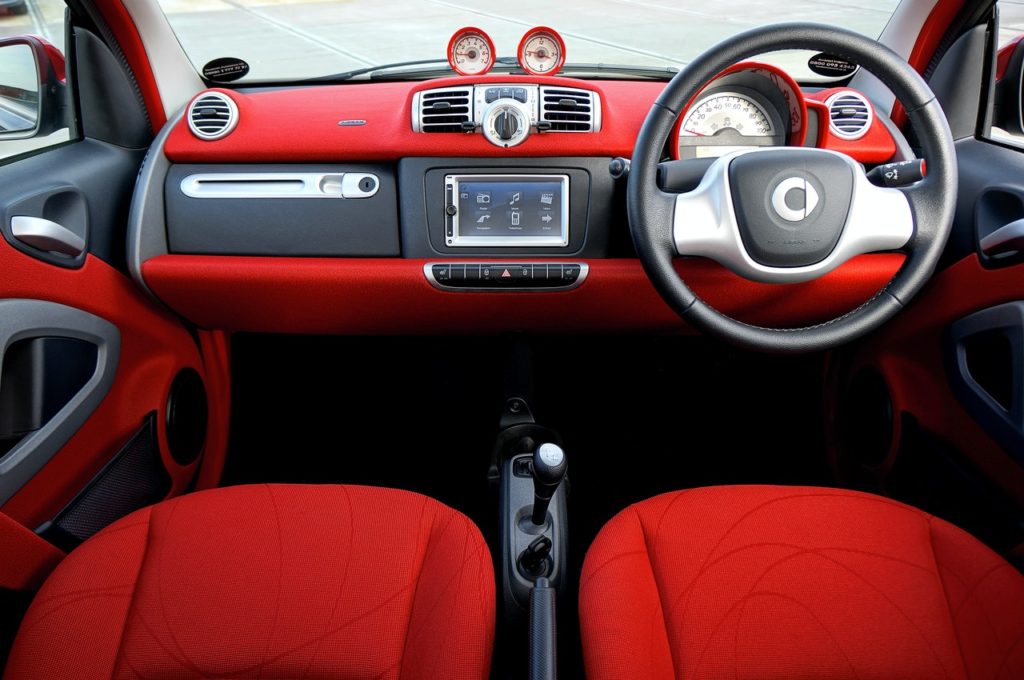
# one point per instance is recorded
(493, 276)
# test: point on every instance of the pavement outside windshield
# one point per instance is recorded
(282, 39)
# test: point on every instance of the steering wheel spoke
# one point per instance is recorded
(787, 238)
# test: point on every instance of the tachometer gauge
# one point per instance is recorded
(471, 52)
(724, 111)
(541, 51)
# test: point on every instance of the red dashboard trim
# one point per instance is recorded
(283, 126)
(388, 296)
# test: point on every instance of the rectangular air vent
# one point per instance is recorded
(443, 110)
(570, 110)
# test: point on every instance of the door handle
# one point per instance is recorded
(1006, 239)
(47, 236)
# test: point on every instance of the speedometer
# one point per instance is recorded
(724, 111)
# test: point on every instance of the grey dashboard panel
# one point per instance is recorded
(255, 212)
(26, 319)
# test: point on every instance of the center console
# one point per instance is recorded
(521, 208)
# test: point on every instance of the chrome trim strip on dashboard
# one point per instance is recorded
(428, 272)
(276, 185)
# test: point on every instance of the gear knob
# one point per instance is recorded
(549, 466)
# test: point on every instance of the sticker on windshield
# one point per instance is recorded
(225, 69)
(830, 65)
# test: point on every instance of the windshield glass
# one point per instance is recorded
(298, 39)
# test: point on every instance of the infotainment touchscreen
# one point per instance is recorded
(507, 210)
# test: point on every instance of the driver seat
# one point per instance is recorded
(795, 582)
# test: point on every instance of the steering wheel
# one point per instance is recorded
(746, 215)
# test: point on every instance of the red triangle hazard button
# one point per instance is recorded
(506, 274)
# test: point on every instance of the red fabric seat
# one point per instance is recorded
(269, 582)
(772, 582)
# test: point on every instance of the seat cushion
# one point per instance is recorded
(269, 582)
(791, 582)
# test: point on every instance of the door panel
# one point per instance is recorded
(79, 421)
(154, 348)
(926, 371)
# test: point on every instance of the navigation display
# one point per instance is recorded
(513, 210)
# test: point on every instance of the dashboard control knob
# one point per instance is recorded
(506, 123)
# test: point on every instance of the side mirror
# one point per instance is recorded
(1009, 95)
(33, 87)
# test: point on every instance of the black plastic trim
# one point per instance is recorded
(1003, 422)
(302, 227)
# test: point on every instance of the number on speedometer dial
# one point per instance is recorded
(726, 111)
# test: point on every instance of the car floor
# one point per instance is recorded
(638, 417)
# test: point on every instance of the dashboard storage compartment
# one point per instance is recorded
(285, 210)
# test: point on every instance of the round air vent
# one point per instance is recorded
(850, 114)
(212, 116)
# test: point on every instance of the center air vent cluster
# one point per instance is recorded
(461, 109)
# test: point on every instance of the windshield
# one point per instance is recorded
(293, 39)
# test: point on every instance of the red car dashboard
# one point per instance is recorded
(471, 204)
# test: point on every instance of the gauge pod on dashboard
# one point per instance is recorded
(541, 51)
(471, 52)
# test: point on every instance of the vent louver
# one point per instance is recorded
(849, 114)
(212, 116)
(443, 110)
(570, 110)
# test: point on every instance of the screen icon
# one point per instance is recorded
(546, 218)
(483, 198)
(515, 198)
(483, 218)
(547, 198)
(515, 218)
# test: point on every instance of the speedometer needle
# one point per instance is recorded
(694, 133)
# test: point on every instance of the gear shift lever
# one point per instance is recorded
(549, 465)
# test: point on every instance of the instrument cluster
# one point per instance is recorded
(746, 106)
